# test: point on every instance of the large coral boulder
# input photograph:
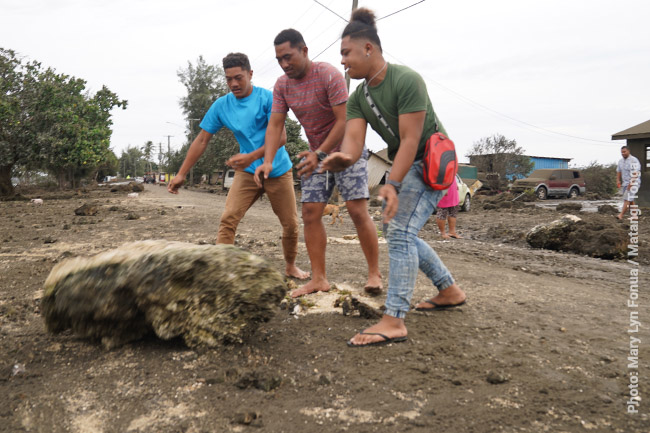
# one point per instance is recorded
(206, 294)
(596, 237)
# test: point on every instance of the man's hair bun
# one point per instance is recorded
(365, 16)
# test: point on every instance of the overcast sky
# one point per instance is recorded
(558, 76)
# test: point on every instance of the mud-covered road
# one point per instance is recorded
(541, 346)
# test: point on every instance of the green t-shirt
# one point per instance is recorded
(402, 91)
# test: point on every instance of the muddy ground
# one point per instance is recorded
(541, 345)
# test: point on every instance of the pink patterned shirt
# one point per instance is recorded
(311, 99)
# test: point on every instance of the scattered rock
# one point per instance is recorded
(262, 380)
(248, 418)
(136, 187)
(496, 378)
(607, 209)
(568, 207)
(121, 188)
(606, 399)
(601, 239)
(324, 379)
(49, 240)
(86, 209)
(132, 216)
(207, 294)
(350, 304)
(375, 202)
(18, 370)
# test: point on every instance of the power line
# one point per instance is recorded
(396, 12)
(331, 11)
(470, 101)
(378, 19)
(328, 47)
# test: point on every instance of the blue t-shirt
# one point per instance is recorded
(247, 118)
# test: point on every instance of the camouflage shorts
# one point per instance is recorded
(352, 183)
(446, 212)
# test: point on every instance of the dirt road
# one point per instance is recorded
(541, 346)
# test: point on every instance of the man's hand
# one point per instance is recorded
(240, 161)
(176, 182)
(389, 195)
(308, 163)
(337, 161)
(618, 184)
(262, 172)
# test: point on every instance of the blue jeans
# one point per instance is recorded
(406, 251)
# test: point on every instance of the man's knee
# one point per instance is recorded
(358, 210)
(312, 212)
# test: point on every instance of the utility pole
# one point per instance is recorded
(169, 150)
(160, 156)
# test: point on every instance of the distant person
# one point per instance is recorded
(400, 95)
(448, 212)
(316, 92)
(245, 111)
(628, 178)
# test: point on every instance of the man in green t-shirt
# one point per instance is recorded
(400, 96)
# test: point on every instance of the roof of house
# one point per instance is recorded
(642, 130)
(383, 155)
(530, 156)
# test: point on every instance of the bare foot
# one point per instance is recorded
(374, 286)
(291, 270)
(455, 235)
(452, 295)
(444, 236)
(312, 287)
(389, 326)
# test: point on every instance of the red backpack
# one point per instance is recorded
(439, 163)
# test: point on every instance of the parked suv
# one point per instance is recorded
(552, 182)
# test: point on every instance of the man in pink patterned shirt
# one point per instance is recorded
(316, 92)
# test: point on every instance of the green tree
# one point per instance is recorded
(204, 84)
(75, 127)
(109, 167)
(295, 143)
(49, 122)
(600, 179)
(147, 154)
(132, 162)
(18, 89)
(497, 154)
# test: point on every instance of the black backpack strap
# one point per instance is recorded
(375, 110)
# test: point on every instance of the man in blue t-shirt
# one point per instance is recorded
(246, 111)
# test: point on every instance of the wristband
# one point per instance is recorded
(397, 185)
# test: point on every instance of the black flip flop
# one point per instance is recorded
(386, 340)
(439, 307)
